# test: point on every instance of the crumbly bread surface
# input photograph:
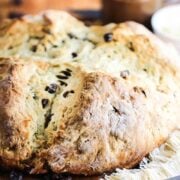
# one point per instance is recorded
(57, 35)
(90, 122)
(83, 100)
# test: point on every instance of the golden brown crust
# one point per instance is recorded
(115, 128)
(112, 104)
(105, 123)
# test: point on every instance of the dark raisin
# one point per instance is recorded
(62, 77)
(14, 175)
(34, 48)
(17, 2)
(145, 70)
(136, 89)
(69, 70)
(65, 94)
(139, 90)
(44, 102)
(48, 117)
(116, 110)
(51, 88)
(72, 36)
(47, 88)
(55, 46)
(66, 73)
(63, 83)
(143, 92)
(35, 96)
(124, 74)
(74, 55)
(108, 37)
(131, 46)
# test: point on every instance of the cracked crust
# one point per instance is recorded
(48, 36)
(102, 122)
(72, 102)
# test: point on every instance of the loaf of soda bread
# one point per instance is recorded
(83, 100)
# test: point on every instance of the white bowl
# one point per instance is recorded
(166, 24)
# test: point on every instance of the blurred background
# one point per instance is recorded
(102, 11)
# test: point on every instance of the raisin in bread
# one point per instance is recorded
(64, 118)
(113, 49)
(55, 35)
(83, 99)
(28, 95)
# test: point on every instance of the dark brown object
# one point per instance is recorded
(62, 77)
(48, 117)
(123, 10)
(51, 88)
(62, 83)
(74, 55)
(44, 102)
(67, 93)
(108, 37)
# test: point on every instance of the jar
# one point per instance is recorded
(123, 10)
